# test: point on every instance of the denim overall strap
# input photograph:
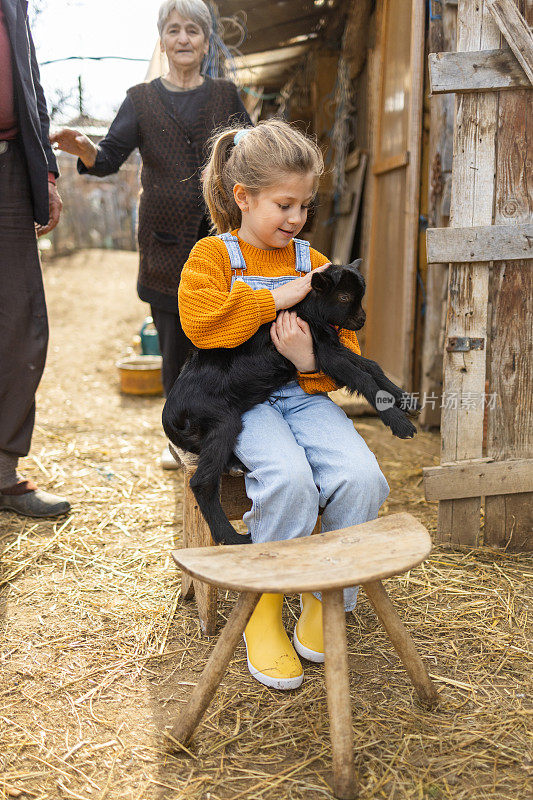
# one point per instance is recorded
(303, 257)
(235, 255)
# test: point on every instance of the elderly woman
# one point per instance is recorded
(170, 120)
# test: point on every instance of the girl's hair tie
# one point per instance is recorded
(238, 136)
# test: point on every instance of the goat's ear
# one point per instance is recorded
(321, 282)
(357, 263)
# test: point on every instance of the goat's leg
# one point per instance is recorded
(216, 454)
(402, 399)
(344, 371)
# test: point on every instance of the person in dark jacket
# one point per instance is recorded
(28, 196)
(170, 120)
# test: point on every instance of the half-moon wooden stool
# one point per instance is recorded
(328, 562)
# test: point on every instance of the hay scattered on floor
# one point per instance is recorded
(99, 653)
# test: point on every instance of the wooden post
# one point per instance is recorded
(338, 694)
(214, 670)
(509, 518)
(468, 289)
(402, 642)
(196, 533)
(441, 39)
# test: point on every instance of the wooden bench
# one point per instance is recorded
(196, 533)
(362, 554)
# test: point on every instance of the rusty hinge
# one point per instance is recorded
(462, 344)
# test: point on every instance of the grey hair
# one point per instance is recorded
(195, 10)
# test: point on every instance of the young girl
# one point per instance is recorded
(300, 450)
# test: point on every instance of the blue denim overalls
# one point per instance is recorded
(301, 451)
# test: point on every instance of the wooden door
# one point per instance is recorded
(391, 271)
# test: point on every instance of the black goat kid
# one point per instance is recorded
(203, 411)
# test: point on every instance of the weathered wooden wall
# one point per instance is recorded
(509, 518)
(489, 333)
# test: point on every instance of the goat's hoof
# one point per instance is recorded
(405, 431)
(235, 472)
(398, 423)
(230, 536)
(237, 538)
(235, 467)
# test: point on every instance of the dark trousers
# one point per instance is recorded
(174, 345)
(23, 318)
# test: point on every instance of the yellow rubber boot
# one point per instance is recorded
(271, 657)
(308, 634)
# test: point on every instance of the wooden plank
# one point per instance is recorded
(442, 37)
(482, 71)
(393, 162)
(509, 522)
(345, 226)
(472, 201)
(233, 497)
(283, 34)
(509, 518)
(197, 534)
(412, 183)
(267, 57)
(367, 85)
(352, 160)
(391, 293)
(472, 480)
(483, 243)
(422, 266)
(180, 506)
(516, 31)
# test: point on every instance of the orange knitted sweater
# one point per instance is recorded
(212, 315)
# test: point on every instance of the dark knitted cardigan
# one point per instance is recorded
(171, 208)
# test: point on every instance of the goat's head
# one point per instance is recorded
(339, 292)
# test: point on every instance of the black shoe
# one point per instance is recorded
(34, 503)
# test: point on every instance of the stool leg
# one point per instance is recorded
(206, 602)
(197, 534)
(338, 694)
(401, 641)
(214, 670)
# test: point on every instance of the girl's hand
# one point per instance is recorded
(292, 338)
(292, 292)
(77, 144)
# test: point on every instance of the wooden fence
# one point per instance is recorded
(97, 212)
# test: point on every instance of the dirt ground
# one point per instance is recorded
(99, 653)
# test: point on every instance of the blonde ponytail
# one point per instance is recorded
(257, 161)
(218, 191)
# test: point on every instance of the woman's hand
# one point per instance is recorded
(292, 338)
(77, 144)
(292, 292)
